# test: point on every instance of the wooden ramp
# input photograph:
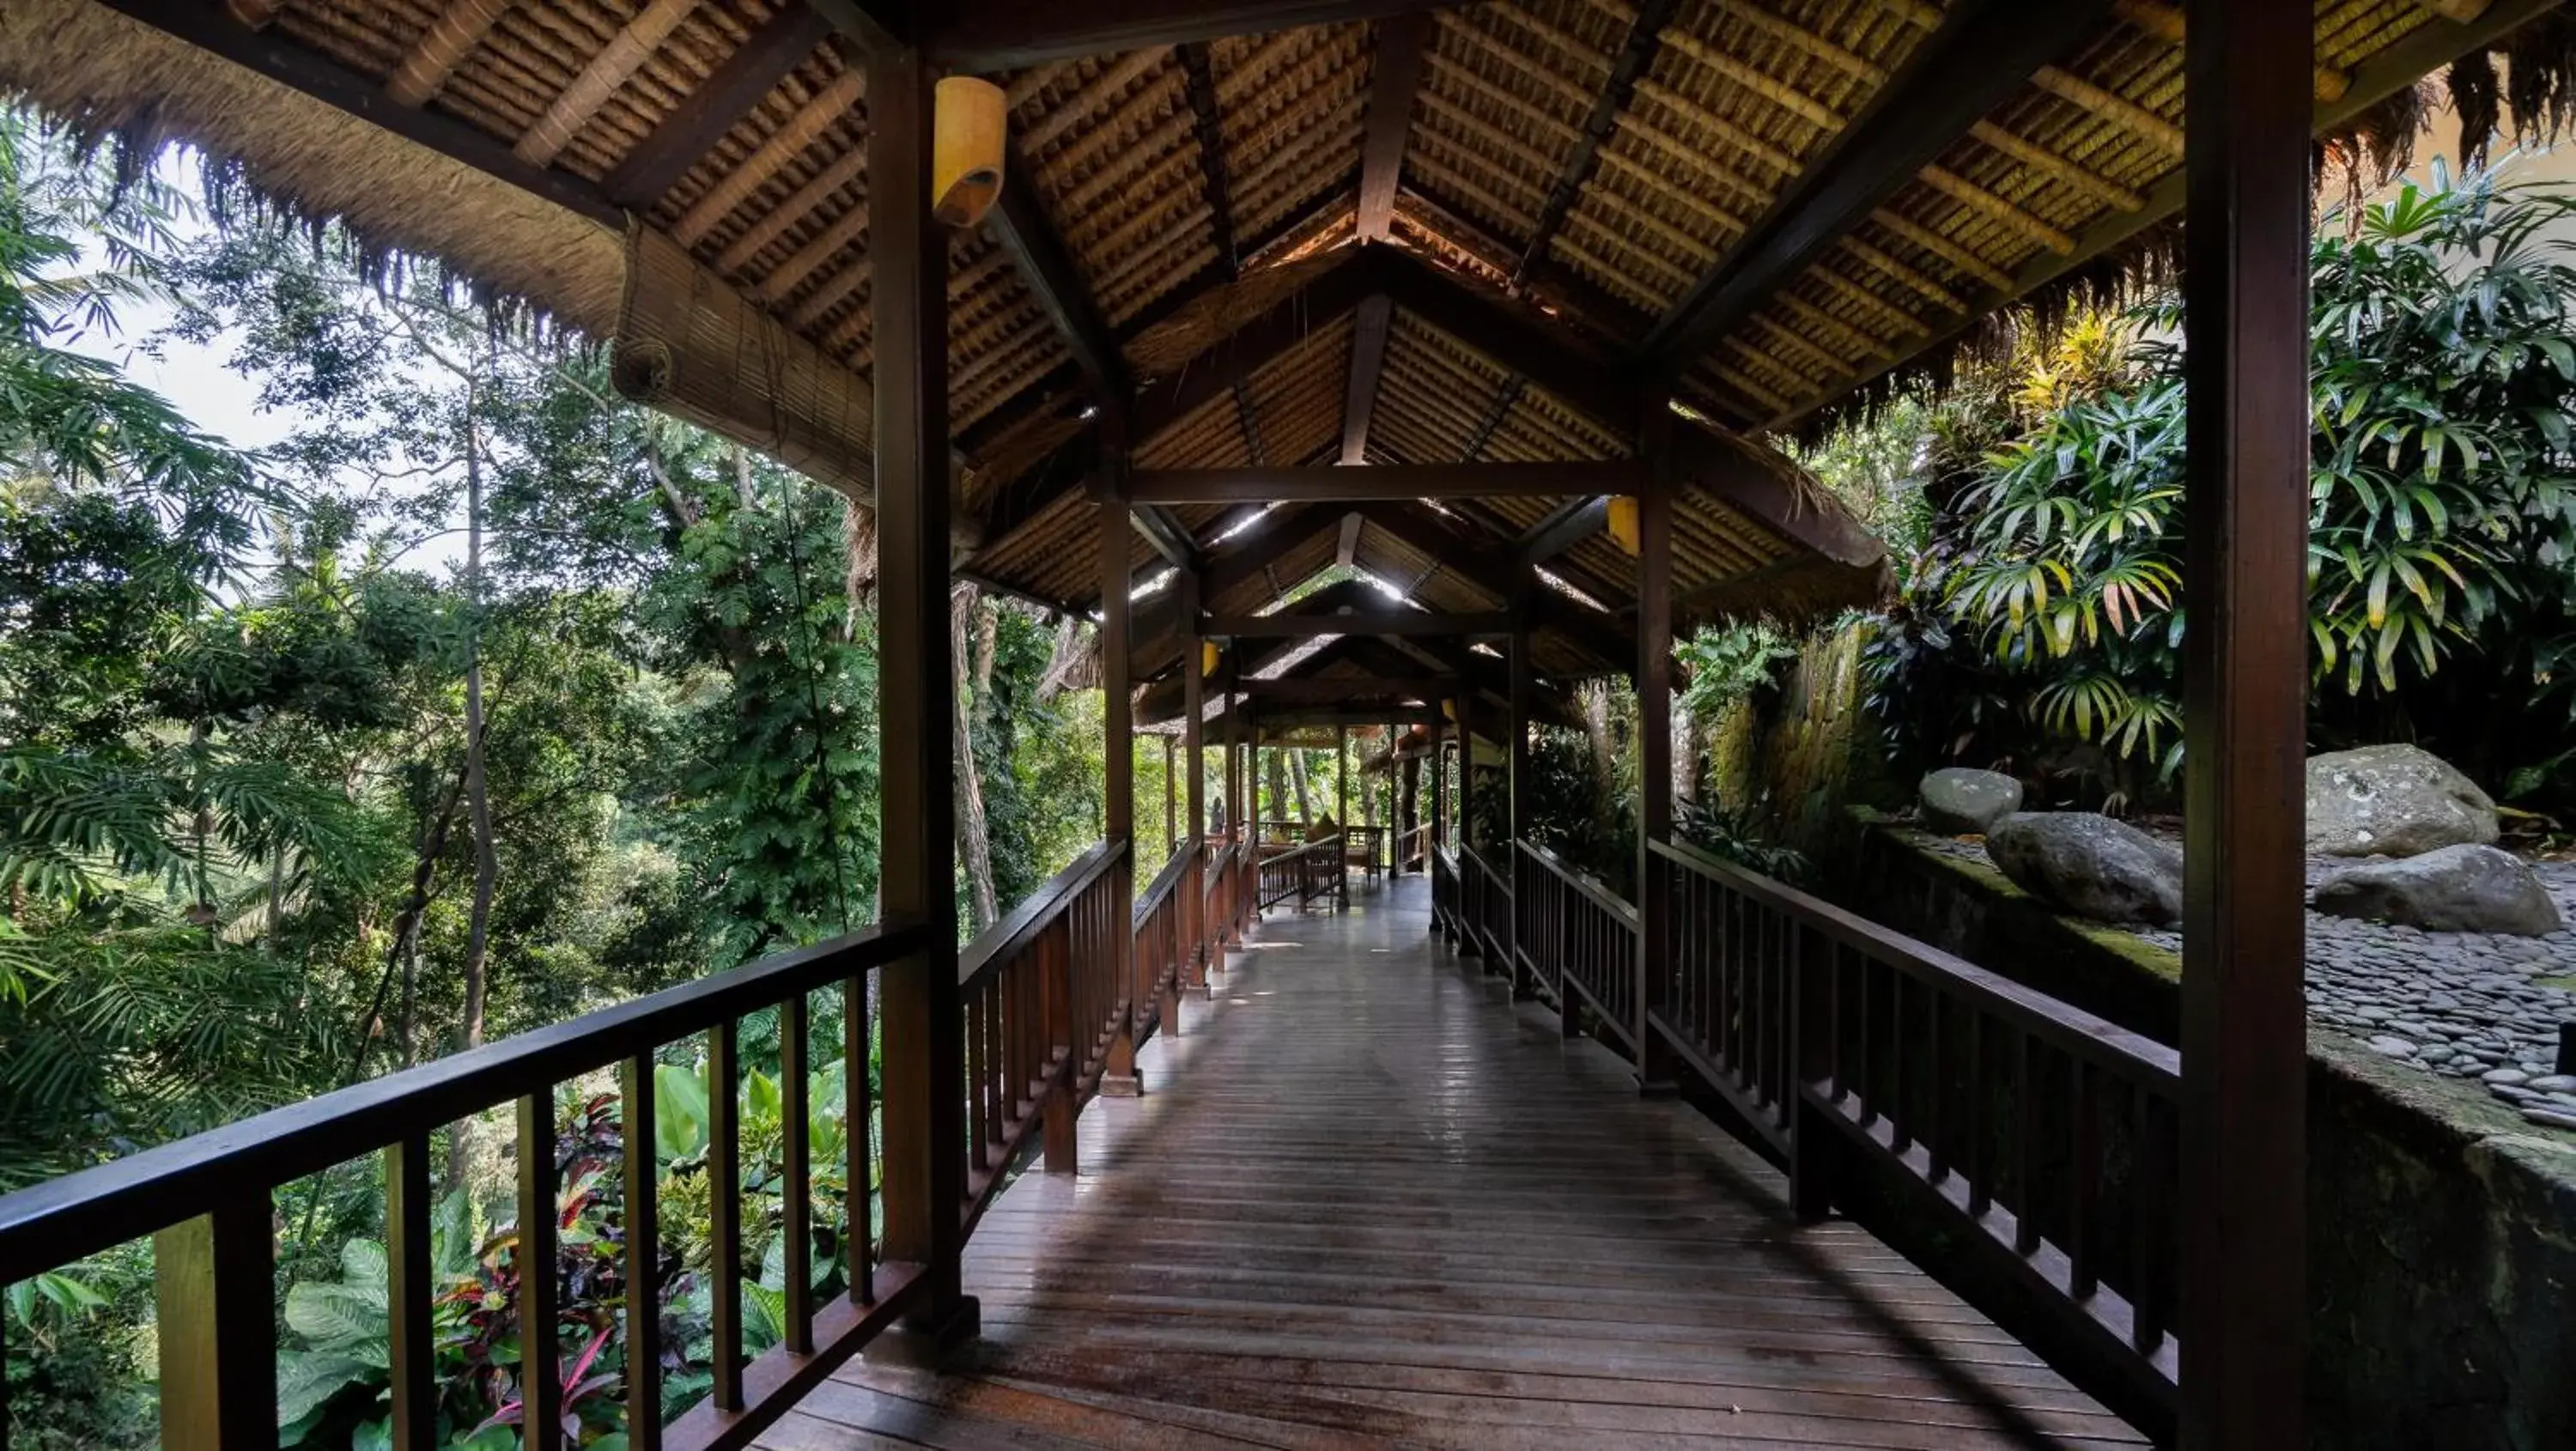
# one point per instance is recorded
(1368, 1202)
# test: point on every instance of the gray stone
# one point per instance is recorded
(2470, 888)
(2555, 1083)
(2509, 1077)
(2550, 1118)
(2089, 865)
(2394, 800)
(2392, 1047)
(1962, 802)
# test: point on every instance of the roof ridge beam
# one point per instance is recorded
(997, 35)
(1210, 126)
(1394, 80)
(1981, 56)
(1333, 484)
(1369, 331)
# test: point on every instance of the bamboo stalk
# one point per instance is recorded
(1932, 291)
(1717, 125)
(1768, 87)
(1967, 193)
(619, 59)
(845, 231)
(1789, 32)
(1945, 249)
(2040, 158)
(1090, 98)
(441, 48)
(2119, 111)
(847, 168)
(802, 130)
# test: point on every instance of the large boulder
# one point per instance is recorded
(1959, 801)
(2393, 800)
(2090, 865)
(2466, 888)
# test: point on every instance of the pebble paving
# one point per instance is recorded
(2462, 1004)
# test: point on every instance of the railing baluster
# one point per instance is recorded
(1981, 1155)
(858, 1110)
(410, 1284)
(540, 1379)
(1900, 1115)
(2085, 1206)
(1865, 1061)
(1936, 1065)
(214, 1287)
(796, 1207)
(643, 1230)
(2150, 1298)
(724, 1210)
(2025, 1150)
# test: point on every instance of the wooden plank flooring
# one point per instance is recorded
(1368, 1202)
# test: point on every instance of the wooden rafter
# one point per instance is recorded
(1368, 365)
(1020, 225)
(1248, 419)
(624, 54)
(997, 35)
(1346, 552)
(434, 57)
(1397, 623)
(1978, 59)
(1334, 485)
(1397, 77)
(1561, 530)
(1209, 127)
(706, 113)
(282, 60)
(1645, 37)
(1506, 398)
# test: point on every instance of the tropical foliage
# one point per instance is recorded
(2043, 620)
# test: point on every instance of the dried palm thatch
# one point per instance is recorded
(113, 78)
(691, 346)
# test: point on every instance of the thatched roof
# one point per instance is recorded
(1547, 201)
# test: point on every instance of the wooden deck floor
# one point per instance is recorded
(1368, 1202)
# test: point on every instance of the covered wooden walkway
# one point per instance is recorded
(1368, 1200)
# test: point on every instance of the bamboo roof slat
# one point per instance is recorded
(828, 108)
(1967, 193)
(1945, 249)
(2108, 193)
(1084, 103)
(599, 80)
(2129, 116)
(799, 206)
(1770, 88)
(459, 28)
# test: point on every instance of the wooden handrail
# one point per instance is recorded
(1581, 881)
(1017, 927)
(2106, 1045)
(82, 1213)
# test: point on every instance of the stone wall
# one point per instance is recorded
(2442, 1252)
(1793, 758)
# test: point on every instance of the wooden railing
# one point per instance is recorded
(1307, 871)
(1413, 848)
(1484, 915)
(207, 1203)
(1578, 939)
(1044, 1007)
(1043, 1003)
(2044, 1136)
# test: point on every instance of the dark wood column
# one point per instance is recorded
(1194, 750)
(1118, 757)
(923, 1033)
(1517, 752)
(1171, 794)
(1439, 776)
(2244, 1011)
(1654, 739)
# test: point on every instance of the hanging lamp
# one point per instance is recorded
(970, 118)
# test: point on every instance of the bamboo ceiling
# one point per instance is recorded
(1640, 185)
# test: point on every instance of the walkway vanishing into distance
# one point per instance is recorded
(1370, 1202)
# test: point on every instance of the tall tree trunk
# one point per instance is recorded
(1305, 807)
(974, 847)
(1278, 774)
(1408, 804)
(478, 792)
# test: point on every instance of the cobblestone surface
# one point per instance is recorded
(2463, 1004)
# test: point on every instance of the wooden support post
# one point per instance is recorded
(1068, 1041)
(924, 1036)
(1516, 746)
(2244, 1012)
(1171, 795)
(1654, 743)
(1342, 815)
(213, 1279)
(1119, 1078)
(1194, 750)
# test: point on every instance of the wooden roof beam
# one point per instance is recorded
(441, 48)
(1325, 298)
(1399, 623)
(997, 35)
(1561, 530)
(216, 32)
(1247, 418)
(1481, 562)
(705, 114)
(1506, 398)
(1020, 225)
(1336, 485)
(1200, 77)
(1368, 367)
(1645, 37)
(1984, 54)
(1393, 82)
